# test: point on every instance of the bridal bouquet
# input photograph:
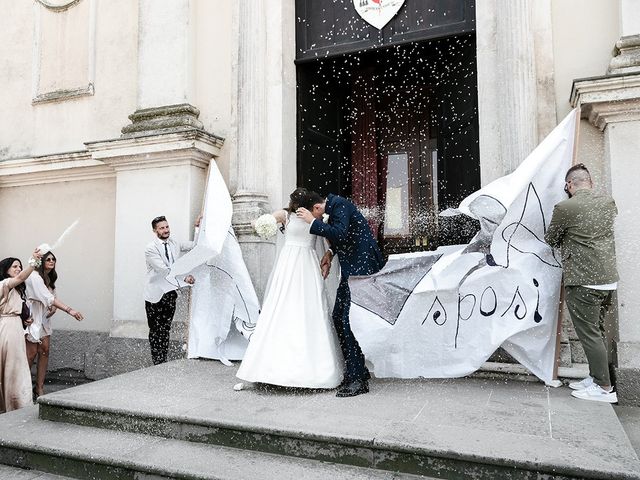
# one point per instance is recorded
(266, 226)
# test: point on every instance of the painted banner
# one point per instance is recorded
(442, 314)
(224, 304)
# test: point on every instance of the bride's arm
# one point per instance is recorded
(324, 253)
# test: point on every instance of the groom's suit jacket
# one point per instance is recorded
(158, 267)
(350, 237)
(582, 227)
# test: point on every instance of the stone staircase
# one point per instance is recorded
(184, 420)
(81, 452)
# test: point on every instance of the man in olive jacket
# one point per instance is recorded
(582, 227)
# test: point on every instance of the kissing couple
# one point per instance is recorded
(295, 343)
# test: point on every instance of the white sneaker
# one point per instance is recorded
(582, 384)
(597, 394)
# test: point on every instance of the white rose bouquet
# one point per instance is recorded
(266, 226)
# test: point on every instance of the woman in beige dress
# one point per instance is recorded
(15, 378)
(41, 293)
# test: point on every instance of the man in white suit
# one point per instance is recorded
(160, 293)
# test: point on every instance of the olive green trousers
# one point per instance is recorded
(587, 308)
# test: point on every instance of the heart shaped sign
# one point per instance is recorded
(377, 12)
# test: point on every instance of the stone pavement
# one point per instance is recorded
(453, 428)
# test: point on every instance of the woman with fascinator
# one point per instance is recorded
(41, 289)
(15, 378)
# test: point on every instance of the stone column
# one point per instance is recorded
(165, 67)
(627, 59)
(612, 103)
(249, 168)
(514, 74)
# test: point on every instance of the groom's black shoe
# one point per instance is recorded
(351, 389)
(367, 376)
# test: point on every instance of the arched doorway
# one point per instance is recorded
(389, 118)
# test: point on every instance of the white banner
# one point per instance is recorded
(214, 225)
(442, 314)
(224, 304)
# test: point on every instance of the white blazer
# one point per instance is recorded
(158, 268)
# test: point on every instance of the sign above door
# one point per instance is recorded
(377, 12)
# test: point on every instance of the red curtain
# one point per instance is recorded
(364, 148)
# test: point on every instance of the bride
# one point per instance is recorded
(294, 343)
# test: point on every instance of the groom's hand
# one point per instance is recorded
(305, 215)
(325, 264)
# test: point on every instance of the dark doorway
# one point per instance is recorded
(396, 130)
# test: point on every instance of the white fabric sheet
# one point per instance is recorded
(456, 306)
(224, 305)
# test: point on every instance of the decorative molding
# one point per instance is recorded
(103, 159)
(58, 6)
(157, 150)
(63, 167)
(72, 92)
(602, 114)
(61, 95)
(608, 99)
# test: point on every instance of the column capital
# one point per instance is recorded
(608, 99)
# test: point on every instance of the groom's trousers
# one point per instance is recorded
(353, 356)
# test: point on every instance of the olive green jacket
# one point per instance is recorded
(582, 227)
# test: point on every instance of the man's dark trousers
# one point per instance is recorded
(159, 318)
(353, 356)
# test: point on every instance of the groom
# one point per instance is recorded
(351, 239)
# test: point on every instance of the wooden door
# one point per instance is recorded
(323, 146)
(407, 180)
(458, 139)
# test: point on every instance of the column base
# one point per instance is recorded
(627, 59)
(162, 119)
(247, 206)
(258, 253)
(628, 386)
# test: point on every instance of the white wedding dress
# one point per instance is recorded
(294, 343)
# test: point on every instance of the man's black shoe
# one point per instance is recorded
(351, 389)
(344, 382)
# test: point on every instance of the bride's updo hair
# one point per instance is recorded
(301, 197)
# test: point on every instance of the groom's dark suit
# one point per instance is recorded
(351, 239)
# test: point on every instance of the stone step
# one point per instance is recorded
(458, 428)
(515, 371)
(15, 473)
(89, 453)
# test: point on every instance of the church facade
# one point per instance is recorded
(114, 110)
